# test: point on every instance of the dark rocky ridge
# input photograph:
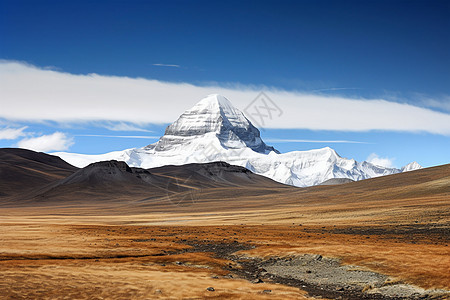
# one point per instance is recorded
(29, 176)
(22, 170)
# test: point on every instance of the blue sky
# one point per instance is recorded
(398, 51)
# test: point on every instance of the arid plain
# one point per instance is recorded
(382, 238)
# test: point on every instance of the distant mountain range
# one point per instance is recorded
(214, 130)
(44, 182)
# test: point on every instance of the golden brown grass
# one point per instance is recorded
(87, 261)
(109, 262)
(95, 250)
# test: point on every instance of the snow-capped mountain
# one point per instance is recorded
(411, 167)
(214, 130)
(214, 117)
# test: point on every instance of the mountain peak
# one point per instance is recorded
(213, 117)
(214, 100)
(110, 165)
(411, 167)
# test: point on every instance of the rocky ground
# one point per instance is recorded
(319, 276)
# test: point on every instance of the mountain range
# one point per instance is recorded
(29, 178)
(214, 130)
(39, 181)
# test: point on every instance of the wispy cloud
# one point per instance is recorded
(121, 136)
(11, 133)
(34, 94)
(122, 126)
(166, 65)
(381, 161)
(443, 104)
(313, 141)
(57, 141)
(335, 89)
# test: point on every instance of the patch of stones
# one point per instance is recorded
(330, 278)
(319, 276)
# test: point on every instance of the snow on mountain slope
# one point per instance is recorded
(214, 130)
(411, 167)
(212, 117)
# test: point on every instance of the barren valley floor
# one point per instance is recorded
(47, 259)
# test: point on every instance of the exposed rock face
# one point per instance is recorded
(104, 172)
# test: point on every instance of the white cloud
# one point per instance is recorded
(122, 126)
(35, 94)
(335, 89)
(381, 161)
(166, 65)
(57, 141)
(11, 133)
